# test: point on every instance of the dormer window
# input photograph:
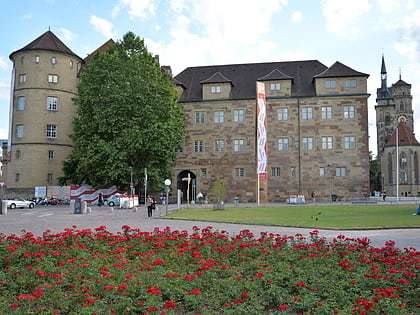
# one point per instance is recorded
(331, 84)
(215, 89)
(275, 86)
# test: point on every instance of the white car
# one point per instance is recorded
(20, 203)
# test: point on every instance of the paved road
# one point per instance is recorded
(57, 219)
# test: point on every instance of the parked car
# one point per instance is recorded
(113, 200)
(19, 203)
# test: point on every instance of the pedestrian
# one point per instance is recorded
(149, 203)
(313, 196)
(384, 196)
(100, 200)
(418, 211)
(200, 197)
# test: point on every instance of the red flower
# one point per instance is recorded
(283, 307)
(195, 292)
(301, 284)
(238, 300)
(14, 306)
(245, 294)
(169, 304)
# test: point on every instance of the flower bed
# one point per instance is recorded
(203, 272)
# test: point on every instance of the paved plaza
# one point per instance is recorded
(58, 218)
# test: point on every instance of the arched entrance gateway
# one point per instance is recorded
(186, 182)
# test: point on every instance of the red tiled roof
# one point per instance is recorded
(405, 137)
(101, 49)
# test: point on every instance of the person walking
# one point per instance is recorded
(149, 203)
(100, 200)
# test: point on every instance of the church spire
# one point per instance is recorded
(383, 74)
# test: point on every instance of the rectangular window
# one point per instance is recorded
(199, 117)
(203, 172)
(322, 171)
(215, 89)
(71, 64)
(22, 78)
(17, 154)
(327, 143)
(53, 78)
(307, 144)
(239, 172)
(51, 154)
(275, 86)
(53, 60)
(21, 103)
(349, 143)
(351, 84)
(20, 131)
(219, 116)
(51, 131)
(36, 59)
(283, 144)
(238, 115)
(306, 113)
(198, 146)
(275, 171)
(238, 145)
(340, 171)
(348, 112)
(326, 112)
(17, 177)
(52, 103)
(282, 113)
(50, 178)
(293, 171)
(330, 84)
(219, 145)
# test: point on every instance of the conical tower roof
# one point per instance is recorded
(47, 41)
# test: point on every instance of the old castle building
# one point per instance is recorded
(316, 125)
(317, 137)
(398, 149)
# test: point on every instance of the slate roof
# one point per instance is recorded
(340, 70)
(216, 77)
(405, 137)
(276, 74)
(47, 41)
(401, 82)
(244, 77)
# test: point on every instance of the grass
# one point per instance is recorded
(346, 216)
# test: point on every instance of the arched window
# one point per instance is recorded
(387, 119)
(403, 168)
(402, 106)
(416, 168)
(389, 168)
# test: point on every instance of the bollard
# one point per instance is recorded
(111, 209)
(3, 207)
(135, 209)
(89, 210)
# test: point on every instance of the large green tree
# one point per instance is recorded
(127, 116)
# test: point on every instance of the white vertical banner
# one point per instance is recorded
(262, 184)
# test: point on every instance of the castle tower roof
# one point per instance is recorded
(47, 41)
(405, 136)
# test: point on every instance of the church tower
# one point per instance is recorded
(393, 104)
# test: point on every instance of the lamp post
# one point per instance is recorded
(131, 181)
(145, 185)
(167, 184)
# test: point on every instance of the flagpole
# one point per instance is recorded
(398, 162)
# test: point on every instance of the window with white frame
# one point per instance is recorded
(340, 171)
(322, 171)
(283, 144)
(307, 143)
(351, 83)
(36, 59)
(282, 113)
(21, 103)
(348, 112)
(53, 60)
(52, 103)
(330, 84)
(198, 146)
(51, 154)
(52, 78)
(293, 171)
(275, 86)
(238, 145)
(50, 178)
(22, 78)
(215, 89)
(275, 171)
(238, 115)
(219, 116)
(51, 131)
(307, 113)
(350, 143)
(199, 117)
(20, 131)
(219, 145)
(326, 112)
(326, 143)
(71, 64)
(239, 172)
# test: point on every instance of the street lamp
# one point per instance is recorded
(131, 181)
(167, 184)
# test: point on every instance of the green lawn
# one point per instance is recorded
(313, 216)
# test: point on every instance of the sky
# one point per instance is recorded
(186, 33)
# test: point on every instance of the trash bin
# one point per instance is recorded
(236, 201)
(78, 206)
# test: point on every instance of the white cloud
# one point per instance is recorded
(27, 16)
(102, 26)
(67, 34)
(296, 17)
(388, 5)
(3, 64)
(340, 15)
(136, 8)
